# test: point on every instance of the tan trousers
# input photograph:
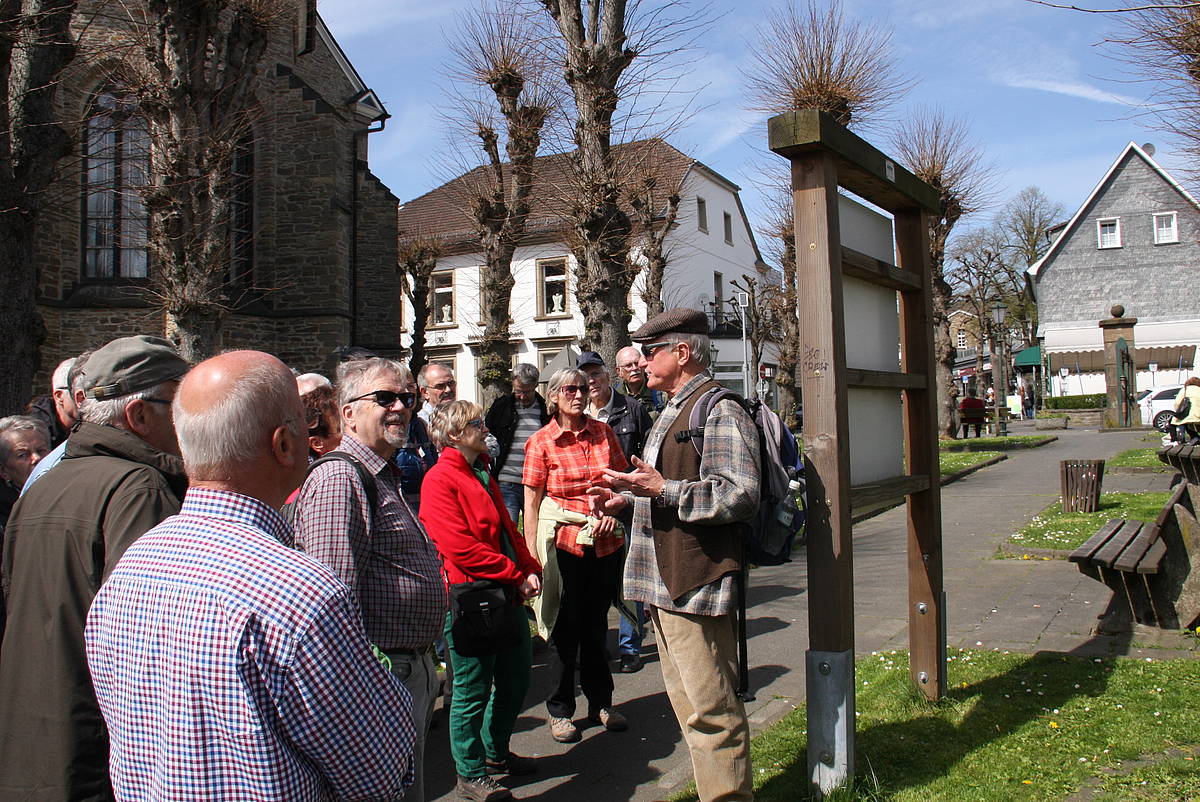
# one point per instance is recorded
(698, 654)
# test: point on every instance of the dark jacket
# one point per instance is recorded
(63, 539)
(630, 421)
(501, 421)
(43, 409)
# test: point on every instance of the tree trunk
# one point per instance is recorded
(21, 327)
(196, 333)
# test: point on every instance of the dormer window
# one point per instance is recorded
(1108, 232)
(1166, 228)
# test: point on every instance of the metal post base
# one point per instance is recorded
(830, 684)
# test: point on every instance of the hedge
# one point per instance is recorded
(1088, 401)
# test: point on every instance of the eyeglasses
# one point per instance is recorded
(571, 389)
(446, 385)
(387, 398)
(648, 348)
(476, 422)
(157, 401)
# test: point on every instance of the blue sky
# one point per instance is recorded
(1048, 105)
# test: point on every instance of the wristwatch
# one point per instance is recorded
(661, 499)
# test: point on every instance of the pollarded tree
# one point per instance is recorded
(36, 47)
(197, 92)
(497, 52)
(418, 257)
(939, 151)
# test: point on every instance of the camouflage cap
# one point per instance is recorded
(129, 365)
(679, 320)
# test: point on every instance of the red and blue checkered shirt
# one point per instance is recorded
(229, 666)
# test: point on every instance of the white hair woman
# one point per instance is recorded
(463, 512)
(562, 460)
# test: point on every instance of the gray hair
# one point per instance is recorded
(698, 343)
(560, 378)
(60, 380)
(451, 421)
(78, 372)
(316, 378)
(525, 373)
(234, 430)
(111, 411)
(423, 373)
(353, 376)
(19, 423)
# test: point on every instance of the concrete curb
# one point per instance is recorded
(1018, 445)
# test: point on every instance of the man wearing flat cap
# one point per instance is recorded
(120, 476)
(685, 546)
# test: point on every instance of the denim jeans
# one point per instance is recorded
(513, 494)
(629, 637)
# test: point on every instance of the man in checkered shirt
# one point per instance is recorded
(227, 664)
(685, 546)
(379, 550)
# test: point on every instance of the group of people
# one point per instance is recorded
(229, 580)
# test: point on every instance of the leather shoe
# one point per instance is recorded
(515, 765)
(631, 663)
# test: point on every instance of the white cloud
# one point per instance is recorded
(1071, 89)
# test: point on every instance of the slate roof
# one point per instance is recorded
(442, 212)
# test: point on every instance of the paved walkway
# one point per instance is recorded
(1010, 604)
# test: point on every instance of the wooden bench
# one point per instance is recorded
(1185, 459)
(1149, 564)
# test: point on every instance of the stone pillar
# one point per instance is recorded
(1116, 327)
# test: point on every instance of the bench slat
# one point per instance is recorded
(1153, 557)
(1129, 558)
(1093, 543)
(1118, 543)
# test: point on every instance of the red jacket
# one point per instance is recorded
(464, 521)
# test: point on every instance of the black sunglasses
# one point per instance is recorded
(387, 398)
(571, 389)
(648, 348)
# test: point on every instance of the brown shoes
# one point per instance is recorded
(563, 730)
(610, 719)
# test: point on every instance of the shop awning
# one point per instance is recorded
(1028, 357)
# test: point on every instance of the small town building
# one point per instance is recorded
(1135, 242)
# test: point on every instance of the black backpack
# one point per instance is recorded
(288, 510)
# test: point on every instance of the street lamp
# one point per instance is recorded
(999, 310)
(742, 301)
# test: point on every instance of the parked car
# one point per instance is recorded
(1158, 405)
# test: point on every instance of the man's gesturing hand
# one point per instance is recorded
(642, 481)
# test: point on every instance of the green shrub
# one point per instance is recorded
(1089, 401)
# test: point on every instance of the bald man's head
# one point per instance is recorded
(228, 413)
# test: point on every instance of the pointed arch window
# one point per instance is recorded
(116, 165)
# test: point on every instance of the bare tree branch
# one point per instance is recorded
(1112, 10)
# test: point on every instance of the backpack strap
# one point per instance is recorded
(364, 475)
(699, 416)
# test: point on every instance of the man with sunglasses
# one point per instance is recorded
(685, 546)
(438, 388)
(370, 537)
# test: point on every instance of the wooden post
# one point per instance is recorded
(926, 599)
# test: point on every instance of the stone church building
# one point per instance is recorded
(313, 231)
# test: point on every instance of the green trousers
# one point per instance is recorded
(488, 695)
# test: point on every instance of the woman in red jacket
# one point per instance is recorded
(463, 512)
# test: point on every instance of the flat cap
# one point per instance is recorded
(129, 365)
(589, 358)
(679, 320)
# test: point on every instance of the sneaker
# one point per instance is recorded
(481, 789)
(563, 730)
(516, 765)
(631, 663)
(610, 719)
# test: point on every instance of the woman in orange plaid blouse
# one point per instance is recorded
(562, 460)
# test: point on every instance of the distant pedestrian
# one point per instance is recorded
(972, 412)
(463, 511)
(1187, 410)
(228, 665)
(512, 420)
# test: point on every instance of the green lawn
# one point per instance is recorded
(1139, 458)
(1012, 726)
(952, 462)
(997, 443)
(1054, 529)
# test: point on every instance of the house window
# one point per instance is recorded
(962, 339)
(718, 298)
(702, 215)
(241, 214)
(552, 288)
(1108, 232)
(441, 303)
(116, 165)
(1166, 228)
(728, 228)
